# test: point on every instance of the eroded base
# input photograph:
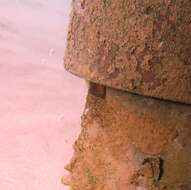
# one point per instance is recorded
(129, 142)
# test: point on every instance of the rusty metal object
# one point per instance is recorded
(132, 142)
(142, 47)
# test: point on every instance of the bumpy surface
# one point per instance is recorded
(129, 142)
(139, 46)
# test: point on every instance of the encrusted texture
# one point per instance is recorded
(129, 142)
(138, 46)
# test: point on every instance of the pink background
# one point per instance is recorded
(40, 104)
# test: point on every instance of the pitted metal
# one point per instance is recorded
(142, 47)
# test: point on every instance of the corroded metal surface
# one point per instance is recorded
(131, 142)
(138, 46)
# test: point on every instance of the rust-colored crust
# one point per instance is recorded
(130, 142)
(138, 46)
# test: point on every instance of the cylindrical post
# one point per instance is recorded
(136, 127)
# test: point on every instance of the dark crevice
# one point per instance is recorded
(161, 167)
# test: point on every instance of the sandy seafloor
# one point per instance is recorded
(40, 104)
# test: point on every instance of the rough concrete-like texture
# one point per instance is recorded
(138, 46)
(129, 142)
